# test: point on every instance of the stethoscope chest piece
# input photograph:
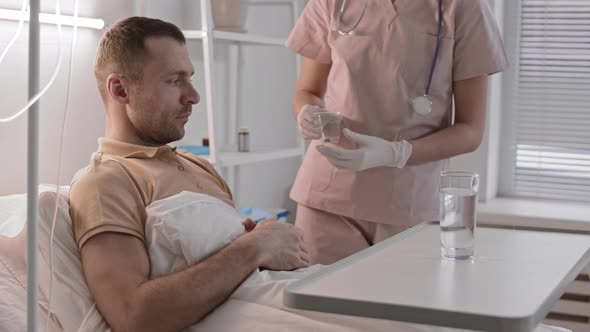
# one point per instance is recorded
(422, 105)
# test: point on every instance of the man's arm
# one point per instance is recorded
(116, 268)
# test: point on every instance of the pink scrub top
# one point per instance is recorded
(374, 76)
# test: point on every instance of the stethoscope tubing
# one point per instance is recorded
(338, 27)
(435, 58)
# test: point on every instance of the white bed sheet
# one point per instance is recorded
(13, 306)
(70, 295)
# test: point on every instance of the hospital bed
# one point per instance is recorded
(13, 247)
(72, 306)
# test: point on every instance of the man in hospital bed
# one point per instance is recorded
(140, 205)
(143, 71)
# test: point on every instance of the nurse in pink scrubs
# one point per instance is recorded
(382, 177)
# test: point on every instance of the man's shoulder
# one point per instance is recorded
(100, 165)
(103, 171)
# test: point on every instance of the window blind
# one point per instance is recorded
(551, 104)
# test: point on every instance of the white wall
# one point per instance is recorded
(268, 79)
(86, 118)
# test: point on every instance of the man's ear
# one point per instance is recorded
(118, 87)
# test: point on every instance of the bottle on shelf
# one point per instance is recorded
(243, 140)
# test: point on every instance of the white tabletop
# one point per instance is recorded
(513, 281)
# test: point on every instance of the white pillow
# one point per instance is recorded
(13, 214)
(13, 210)
(13, 258)
(186, 228)
(13, 234)
(70, 297)
(13, 302)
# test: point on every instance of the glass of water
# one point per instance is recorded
(331, 126)
(458, 204)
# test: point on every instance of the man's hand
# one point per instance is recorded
(249, 224)
(372, 152)
(281, 245)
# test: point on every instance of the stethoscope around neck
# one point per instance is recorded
(420, 104)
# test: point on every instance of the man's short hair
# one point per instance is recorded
(122, 47)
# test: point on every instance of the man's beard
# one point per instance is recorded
(154, 134)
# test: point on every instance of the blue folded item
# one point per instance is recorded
(196, 149)
(257, 214)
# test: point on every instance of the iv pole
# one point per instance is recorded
(33, 168)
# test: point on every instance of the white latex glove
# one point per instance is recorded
(373, 152)
(306, 123)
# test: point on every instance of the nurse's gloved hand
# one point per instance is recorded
(306, 123)
(372, 152)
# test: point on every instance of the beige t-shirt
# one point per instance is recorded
(112, 193)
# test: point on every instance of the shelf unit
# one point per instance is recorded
(221, 155)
